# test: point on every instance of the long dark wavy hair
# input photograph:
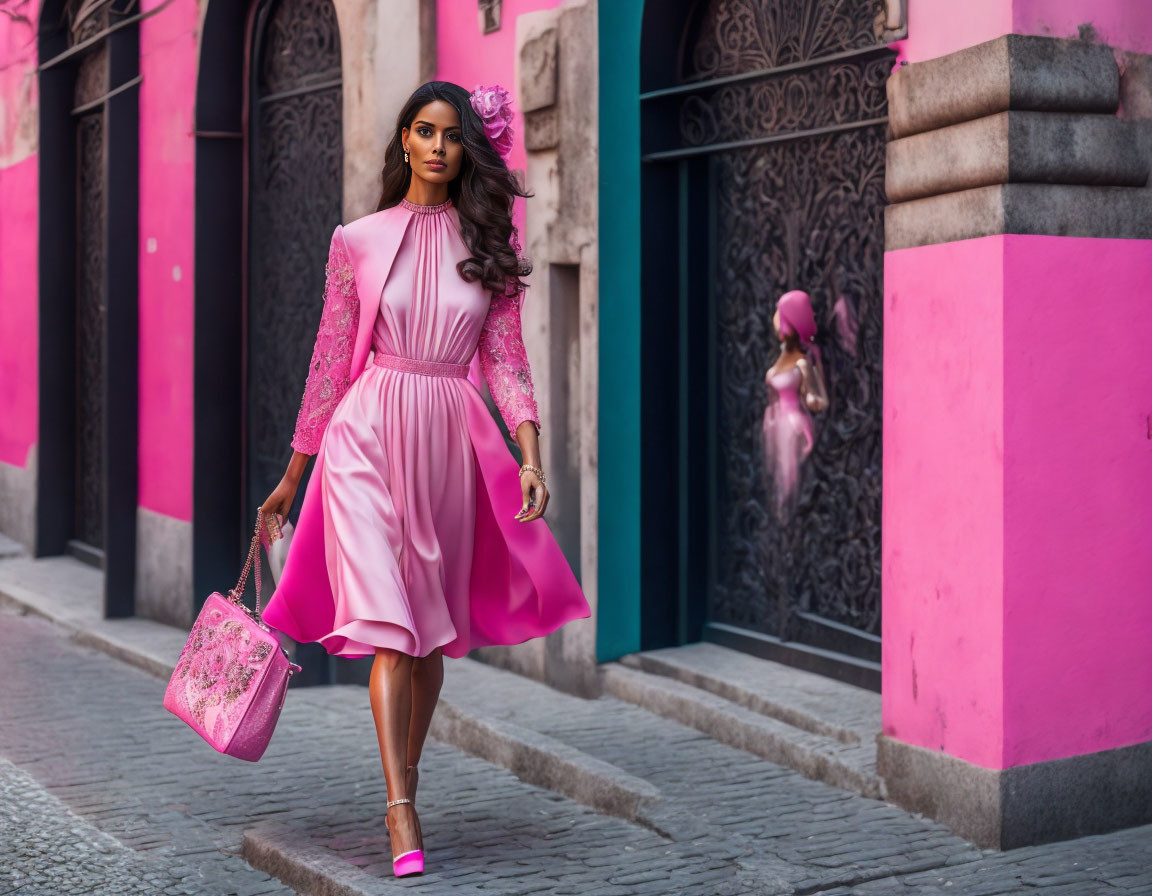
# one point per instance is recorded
(483, 192)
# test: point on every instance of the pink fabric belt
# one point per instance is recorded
(415, 365)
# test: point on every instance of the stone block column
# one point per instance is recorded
(556, 87)
(1017, 560)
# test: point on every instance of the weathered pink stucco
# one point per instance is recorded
(942, 529)
(1077, 496)
(168, 48)
(938, 27)
(19, 186)
(1017, 488)
(467, 57)
(19, 314)
(1126, 24)
(168, 67)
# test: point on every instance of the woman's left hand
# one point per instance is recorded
(535, 493)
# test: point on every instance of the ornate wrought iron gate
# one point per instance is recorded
(92, 83)
(91, 301)
(775, 123)
(295, 200)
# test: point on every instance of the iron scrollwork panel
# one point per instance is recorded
(737, 36)
(814, 208)
(91, 226)
(296, 200)
(794, 212)
(829, 96)
(301, 47)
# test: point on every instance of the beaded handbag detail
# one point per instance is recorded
(232, 677)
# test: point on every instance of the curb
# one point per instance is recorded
(545, 762)
(303, 868)
(268, 847)
(100, 637)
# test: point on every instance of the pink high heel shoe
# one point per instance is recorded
(410, 862)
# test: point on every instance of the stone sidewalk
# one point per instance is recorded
(606, 798)
(48, 850)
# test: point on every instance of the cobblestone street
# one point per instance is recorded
(105, 792)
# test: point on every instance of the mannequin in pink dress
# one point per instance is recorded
(795, 389)
(419, 536)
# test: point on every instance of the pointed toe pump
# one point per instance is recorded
(410, 862)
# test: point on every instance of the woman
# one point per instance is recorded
(795, 390)
(418, 536)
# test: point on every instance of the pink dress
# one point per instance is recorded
(788, 438)
(416, 486)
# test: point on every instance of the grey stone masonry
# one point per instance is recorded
(1014, 71)
(1021, 135)
(1027, 804)
(1051, 209)
(1019, 147)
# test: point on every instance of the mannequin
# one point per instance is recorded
(795, 391)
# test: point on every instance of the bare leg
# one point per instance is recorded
(427, 679)
(390, 693)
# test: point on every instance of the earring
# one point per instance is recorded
(405, 156)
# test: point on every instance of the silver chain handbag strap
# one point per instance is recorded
(236, 595)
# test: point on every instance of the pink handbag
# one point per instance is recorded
(232, 676)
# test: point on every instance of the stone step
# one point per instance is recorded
(70, 593)
(804, 700)
(538, 758)
(850, 766)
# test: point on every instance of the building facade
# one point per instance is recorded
(963, 189)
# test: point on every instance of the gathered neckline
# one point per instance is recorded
(426, 209)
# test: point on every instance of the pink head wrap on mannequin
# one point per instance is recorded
(796, 317)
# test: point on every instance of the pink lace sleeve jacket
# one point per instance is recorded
(503, 356)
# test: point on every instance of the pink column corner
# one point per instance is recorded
(942, 550)
(1077, 496)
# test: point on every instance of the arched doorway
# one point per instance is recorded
(86, 481)
(295, 190)
(762, 148)
(269, 187)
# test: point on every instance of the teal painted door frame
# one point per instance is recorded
(619, 495)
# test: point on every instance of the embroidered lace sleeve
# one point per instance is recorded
(331, 365)
(504, 361)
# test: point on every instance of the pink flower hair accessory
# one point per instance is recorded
(493, 105)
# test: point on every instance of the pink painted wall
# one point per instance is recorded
(1017, 488)
(1077, 496)
(19, 186)
(18, 311)
(942, 530)
(938, 27)
(467, 57)
(1125, 24)
(168, 66)
(168, 50)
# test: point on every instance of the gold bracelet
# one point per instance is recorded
(537, 471)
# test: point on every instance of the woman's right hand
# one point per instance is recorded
(280, 501)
